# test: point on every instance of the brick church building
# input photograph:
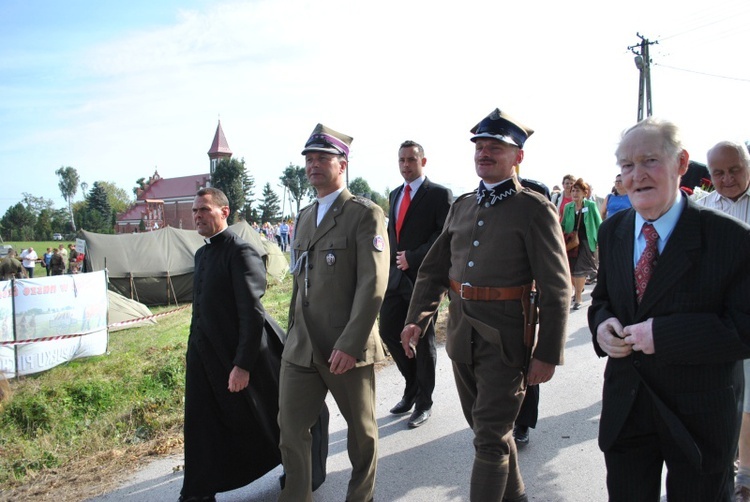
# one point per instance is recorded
(169, 201)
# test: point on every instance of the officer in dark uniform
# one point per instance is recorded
(495, 243)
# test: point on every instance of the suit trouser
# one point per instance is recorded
(302, 391)
(418, 372)
(491, 395)
(645, 444)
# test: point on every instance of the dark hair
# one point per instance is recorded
(217, 196)
(409, 144)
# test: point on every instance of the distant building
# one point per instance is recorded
(169, 201)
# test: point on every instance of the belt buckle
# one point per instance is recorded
(461, 291)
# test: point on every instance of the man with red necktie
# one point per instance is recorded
(417, 212)
(671, 310)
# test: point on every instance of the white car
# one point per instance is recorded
(56, 237)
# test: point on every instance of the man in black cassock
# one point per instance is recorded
(231, 383)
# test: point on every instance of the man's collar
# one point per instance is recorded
(207, 240)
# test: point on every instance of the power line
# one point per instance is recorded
(702, 73)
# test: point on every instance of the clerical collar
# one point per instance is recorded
(207, 240)
(491, 193)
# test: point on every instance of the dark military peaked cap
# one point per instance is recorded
(501, 126)
(324, 139)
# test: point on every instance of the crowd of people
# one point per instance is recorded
(670, 310)
(281, 233)
(56, 261)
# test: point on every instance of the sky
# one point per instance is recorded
(118, 90)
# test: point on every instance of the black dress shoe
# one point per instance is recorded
(521, 434)
(418, 418)
(204, 498)
(402, 406)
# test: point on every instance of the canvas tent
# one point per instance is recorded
(156, 268)
(122, 311)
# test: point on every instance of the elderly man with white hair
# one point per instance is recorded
(729, 167)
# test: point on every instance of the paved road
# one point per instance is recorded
(432, 463)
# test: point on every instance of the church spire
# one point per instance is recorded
(219, 148)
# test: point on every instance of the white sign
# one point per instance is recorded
(46, 308)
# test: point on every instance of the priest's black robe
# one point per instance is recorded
(231, 439)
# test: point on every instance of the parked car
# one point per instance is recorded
(57, 237)
(4, 250)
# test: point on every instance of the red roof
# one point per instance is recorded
(175, 188)
(219, 146)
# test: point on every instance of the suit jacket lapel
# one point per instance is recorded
(622, 252)
(677, 259)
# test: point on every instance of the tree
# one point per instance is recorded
(118, 198)
(96, 214)
(36, 204)
(68, 185)
(269, 207)
(359, 186)
(141, 182)
(18, 223)
(43, 226)
(230, 177)
(295, 180)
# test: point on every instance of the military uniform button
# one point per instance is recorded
(306, 304)
(486, 204)
(480, 223)
(471, 264)
(476, 243)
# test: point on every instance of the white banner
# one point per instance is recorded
(49, 310)
(7, 352)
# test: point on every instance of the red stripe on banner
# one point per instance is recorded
(74, 335)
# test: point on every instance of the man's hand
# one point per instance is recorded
(410, 339)
(540, 372)
(401, 262)
(238, 379)
(640, 336)
(341, 362)
(609, 335)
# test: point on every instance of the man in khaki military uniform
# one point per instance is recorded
(340, 267)
(495, 242)
(11, 268)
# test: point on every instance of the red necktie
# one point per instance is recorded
(647, 262)
(405, 201)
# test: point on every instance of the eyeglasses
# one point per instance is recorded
(618, 181)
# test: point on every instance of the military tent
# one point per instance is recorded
(156, 268)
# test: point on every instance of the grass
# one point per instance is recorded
(91, 418)
(40, 247)
(70, 433)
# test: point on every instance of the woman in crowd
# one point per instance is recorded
(582, 216)
(562, 198)
(616, 201)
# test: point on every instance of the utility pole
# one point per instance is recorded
(643, 63)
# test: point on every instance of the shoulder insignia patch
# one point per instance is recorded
(378, 242)
(363, 200)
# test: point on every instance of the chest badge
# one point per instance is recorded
(330, 258)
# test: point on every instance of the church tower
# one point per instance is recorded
(219, 148)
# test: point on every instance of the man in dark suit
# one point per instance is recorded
(675, 329)
(340, 275)
(230, 391)
(415, 221)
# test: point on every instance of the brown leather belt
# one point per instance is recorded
(483, 293)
